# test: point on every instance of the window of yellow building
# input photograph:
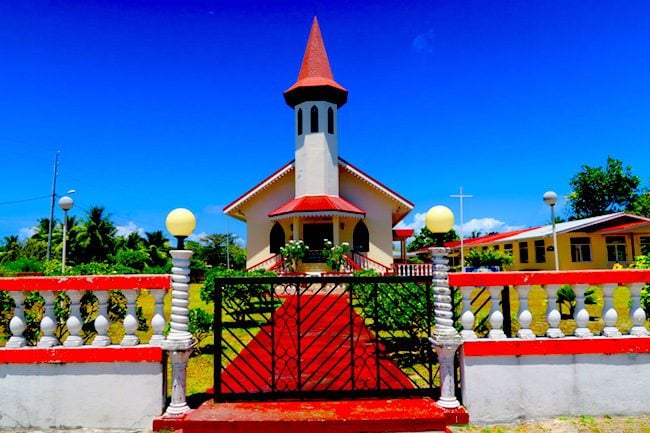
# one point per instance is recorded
(523, 252)
(580, 249)
(540, 251)
(615, 249)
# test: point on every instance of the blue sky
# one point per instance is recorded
(162, 104)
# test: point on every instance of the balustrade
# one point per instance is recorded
(604, 320)
(53, 329)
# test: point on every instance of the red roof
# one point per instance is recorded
(485, 239)
(399, 234)
(625, 227)
(317, 204)
(315, 80)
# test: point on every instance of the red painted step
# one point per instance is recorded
(350, 416)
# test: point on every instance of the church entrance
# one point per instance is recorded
(314, 236)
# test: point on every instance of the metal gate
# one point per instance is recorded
(315, 337)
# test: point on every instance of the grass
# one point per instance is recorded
(566, 424)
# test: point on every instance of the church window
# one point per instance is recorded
(299, 121)
(314, 119)
(361, 238)
(277, 238)
(330, 121)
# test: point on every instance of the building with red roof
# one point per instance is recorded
(598, 242)
(319, 196)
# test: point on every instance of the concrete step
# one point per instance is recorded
(342, 416)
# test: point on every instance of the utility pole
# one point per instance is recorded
(461, 196)
(51, 223)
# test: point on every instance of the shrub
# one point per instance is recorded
(292, 253)
(335, 256)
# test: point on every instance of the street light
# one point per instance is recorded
(181, 223)
(65, 203)
(179, 342)
(445, 338)
(550, 198)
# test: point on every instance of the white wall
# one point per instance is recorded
(94, 395)
(499, 389)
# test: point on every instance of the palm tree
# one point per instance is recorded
(93, 240)
(157, 247)
(11, 250)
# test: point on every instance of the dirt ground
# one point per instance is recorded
(580, 424)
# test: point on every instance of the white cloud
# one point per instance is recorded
(416, 224)
(483, 225)
(486, 225)
(196, 237)
(129, 228)
(26, 232)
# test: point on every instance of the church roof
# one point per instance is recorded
(317, 205)
(402, 208)
(315, 80)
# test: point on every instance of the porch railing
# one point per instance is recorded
(77, 318)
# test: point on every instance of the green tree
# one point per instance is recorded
(218, 248)
(426, 238)
(641, 206)
(11, 249)
(94, 240)
(477, 257)
(601, 190)
(157, 247)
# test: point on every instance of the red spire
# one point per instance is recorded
(315, 80)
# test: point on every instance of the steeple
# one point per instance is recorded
(315, 80)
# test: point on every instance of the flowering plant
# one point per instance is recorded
(335, 256)
(292, 253)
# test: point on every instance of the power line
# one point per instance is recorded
(24, 200)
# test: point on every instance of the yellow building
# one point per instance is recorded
(591, 243)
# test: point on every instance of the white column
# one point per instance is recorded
(336, 227)
(179, 341)
(74, 322)
(581, 314)
(101, 321)
(48, 322)
(525, 316)
(553, 316)
(158, 322)
(610, 315)
(637, 312)
(130, 320)
(445, 339)
(17, 323)
(467, 317)
(496, 316)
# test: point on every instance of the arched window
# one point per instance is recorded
(299, 121)
(276, 240)
(330, 121)
(314, 119)
(361, 238)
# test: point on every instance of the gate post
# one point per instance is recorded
(179, 342)
(445, 338)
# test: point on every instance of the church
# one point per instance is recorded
(320, 196)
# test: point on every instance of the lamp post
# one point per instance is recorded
(179, 342)
(550, 198)
(65, 203)
(445, 338)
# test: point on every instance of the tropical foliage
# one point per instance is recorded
(601, 190)
(477, 257)
(335, 255)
